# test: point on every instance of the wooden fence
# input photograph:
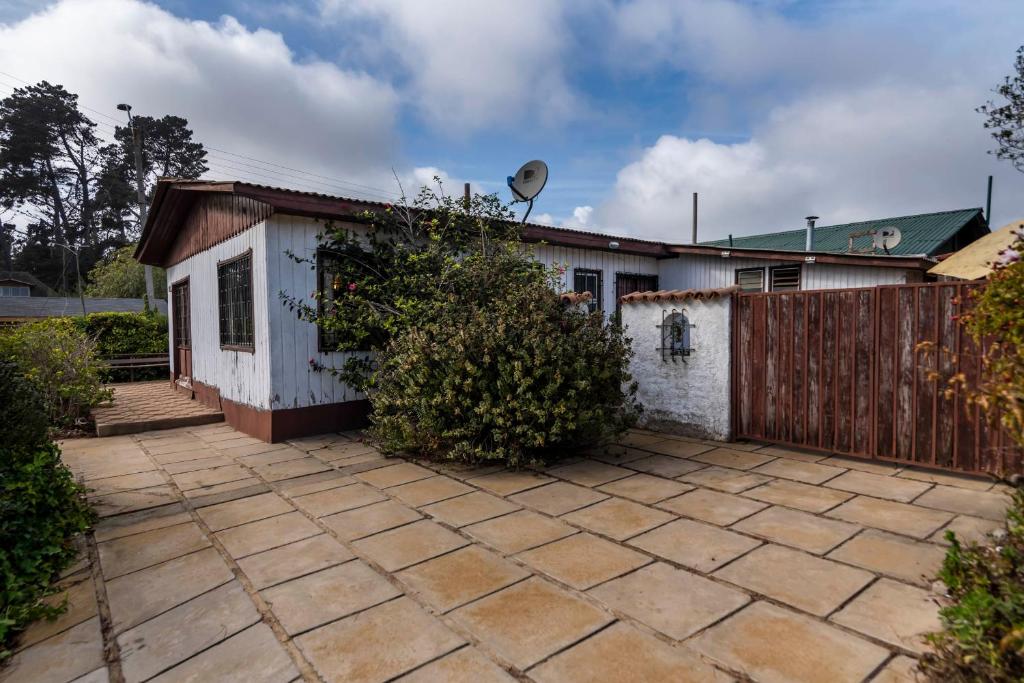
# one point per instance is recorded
(845, 371)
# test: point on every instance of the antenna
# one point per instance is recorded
(887, 238)
(527, 183)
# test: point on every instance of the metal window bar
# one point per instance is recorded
(234, 282)
(588, 281)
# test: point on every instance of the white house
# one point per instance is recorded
(235, 346)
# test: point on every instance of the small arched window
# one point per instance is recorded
(675, 335)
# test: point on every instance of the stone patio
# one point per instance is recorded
(143, 406)
(219, 557)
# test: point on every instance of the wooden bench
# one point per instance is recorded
(136, 361)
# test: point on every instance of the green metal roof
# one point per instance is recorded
(921, 234)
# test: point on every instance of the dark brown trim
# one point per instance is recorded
(905, 262)
(180, 281)
(246, 348)
(239, 257)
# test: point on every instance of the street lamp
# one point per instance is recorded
(140, 190)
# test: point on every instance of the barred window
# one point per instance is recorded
(329, 286)
(585, 280)
(234, 302)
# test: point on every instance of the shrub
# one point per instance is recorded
(503, 372)
(60, 362)
(983, 629)
(118, 274)
(41, 509)
(119, 334)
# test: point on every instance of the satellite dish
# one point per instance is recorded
(887, 238)
(527, 183)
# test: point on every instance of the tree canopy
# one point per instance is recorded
(1006, 119)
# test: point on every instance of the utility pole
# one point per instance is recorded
(140, 190)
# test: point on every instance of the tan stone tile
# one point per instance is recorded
(205, 496)
(172, 446)
(507, 482)
(899, 518)
(130, 553)
(427, 491)
(371, 519)
(725, 479)
(295, 559)
(963, 481)
(894, 613)
(409, 544)
(101, 675)
(792, 454)
(967, 529)
(622, 653)
(966, 502)
(590, 473)
(806, 472)
(558, 498)
(807, 532)
(253, 656)
(463, 666)
(60, 658)
(796, 495)
(775, 645)
(529, 621)
(711, 506)
(255, 537)
(618, 519)
(378, 644)
(640, 439)
(454, 579)
(131, 501)
(110, 528)
(125, 482)
(289, 469)
(339, 499)
(243, 510)
(583, 560)
(615, 455)
(469, 509)
(892, 488)
(665, 466)
(269, 457)
(672, 601)
(692, 544)
(645, 489)
(678, 448)
(195, 453)
(394, 475)
(80, 599)
(314, 483)
(803, 581)
(209, 477)
(138, 596)
(863, 465)
(519, 531)
(309, 601)
(198, 464)
(901, 669)
(895, 556)
(176, 635)
(728, 457)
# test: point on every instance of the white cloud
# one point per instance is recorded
(468, 64)
(852, 155)
(242, 90)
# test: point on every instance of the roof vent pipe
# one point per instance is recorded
(809, 246)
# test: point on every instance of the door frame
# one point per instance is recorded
(176, 370)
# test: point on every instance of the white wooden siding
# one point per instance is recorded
(608, 262)
(240, 376)
(704, 272)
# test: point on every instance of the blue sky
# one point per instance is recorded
(770, 109)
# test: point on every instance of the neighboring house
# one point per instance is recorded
(19, 283)
(235, 346)
(27, 308)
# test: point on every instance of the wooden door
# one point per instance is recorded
(181, 312)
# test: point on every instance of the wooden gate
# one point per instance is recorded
(843, 371)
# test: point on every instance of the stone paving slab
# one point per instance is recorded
(661, 558)
(143, 406)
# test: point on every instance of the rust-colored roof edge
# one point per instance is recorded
(678, 294)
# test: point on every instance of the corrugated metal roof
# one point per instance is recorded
(922, 234)
(55, 306)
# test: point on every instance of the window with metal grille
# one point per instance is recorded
(329, 286)
(234, 302)
(585, 280)
(180, 311)
(785, 278)
(750, 279)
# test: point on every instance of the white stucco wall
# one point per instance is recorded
(691, 398)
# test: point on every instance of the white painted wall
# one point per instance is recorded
(690, 398)
(608, 262)
(691, 271)
(240, 376)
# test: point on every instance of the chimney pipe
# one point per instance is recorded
(809, 246)
(695, 218)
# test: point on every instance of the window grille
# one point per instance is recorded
(785, 278)
(234, 302)
(180, 311)
(585, 280)
(750, 279)
(329, 287)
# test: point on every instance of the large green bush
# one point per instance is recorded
(983, 628)
(123, 334)
(60, 362)
(41, 508)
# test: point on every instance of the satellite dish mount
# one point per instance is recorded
(527, 183)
